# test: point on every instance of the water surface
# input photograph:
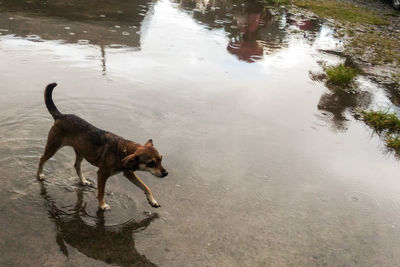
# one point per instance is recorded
(267, 167)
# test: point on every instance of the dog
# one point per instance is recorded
(109, 152)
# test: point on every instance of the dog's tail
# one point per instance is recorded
(49, 101)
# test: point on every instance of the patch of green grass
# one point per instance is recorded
(393, 14)
(350, 32)
(340, 74)
(276, 2)
(377, 49)
(393, 142)
(382, 121)
(342, 11)
(386, 124)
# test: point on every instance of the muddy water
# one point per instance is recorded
(267, 167)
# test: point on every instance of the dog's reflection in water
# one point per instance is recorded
(111, 244)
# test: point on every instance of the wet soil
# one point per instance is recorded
(267, 167)
(375, 49)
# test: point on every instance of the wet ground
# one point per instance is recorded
(267, 166)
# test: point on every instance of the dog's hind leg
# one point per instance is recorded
(53, 144)
(77, 167)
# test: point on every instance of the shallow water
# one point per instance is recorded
(267, 167)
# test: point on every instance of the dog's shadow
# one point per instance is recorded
(111, 244)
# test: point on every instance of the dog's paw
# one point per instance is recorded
(154, 204)
(86, 183)
(105, 207)
(40, 176)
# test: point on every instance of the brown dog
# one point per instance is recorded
(111, 153)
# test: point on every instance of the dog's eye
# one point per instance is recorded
(151, 164)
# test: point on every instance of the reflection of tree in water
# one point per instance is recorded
(111, 244)
(338, 102)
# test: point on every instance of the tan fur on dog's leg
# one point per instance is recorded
(138, 182)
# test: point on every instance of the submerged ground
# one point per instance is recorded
(267, 166)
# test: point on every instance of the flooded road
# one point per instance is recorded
(266, 166)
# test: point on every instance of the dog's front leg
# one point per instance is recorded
(136, 180)
(102, 177)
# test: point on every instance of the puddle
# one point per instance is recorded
(267, 166)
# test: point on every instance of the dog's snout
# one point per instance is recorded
(164, 173)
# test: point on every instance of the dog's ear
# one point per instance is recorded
(130, 161)
(149, 143)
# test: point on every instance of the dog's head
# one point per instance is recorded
(145, 158)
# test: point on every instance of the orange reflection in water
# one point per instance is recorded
(247, 48)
